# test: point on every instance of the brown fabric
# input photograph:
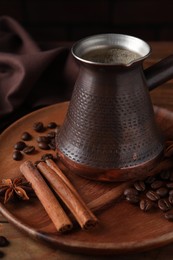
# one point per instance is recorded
(31, 77)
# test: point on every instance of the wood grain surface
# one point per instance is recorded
(120, 223)
(122, 227)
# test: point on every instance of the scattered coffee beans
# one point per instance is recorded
(43, 146)
(169, 185)
(139, 185)
(164, 204)
(134, 199)
(19, 146)
(170, 198)
(17, 155)
(52, 125)
(43, 138)
(130, 191)
(162, 191)
(146, 204)
(150, 180)
(52, 144)
(165, 175)
(169, 215)
(26, 136)
(51, 135)
(156, 184)
(44, 157)
(3, 241)
(29, 149)
(37, 162)
(153, 193)
(47, 156)
(38, 127)
(45, 142)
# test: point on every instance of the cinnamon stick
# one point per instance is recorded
(83, 215)
(46, 197)
(57, 170)
(106, 199)
(115, 193)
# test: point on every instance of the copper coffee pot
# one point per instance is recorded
(109, 132)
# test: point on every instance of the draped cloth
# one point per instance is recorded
(31, 75)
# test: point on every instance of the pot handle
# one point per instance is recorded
(159, 73)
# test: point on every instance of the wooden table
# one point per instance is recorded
(22, 247)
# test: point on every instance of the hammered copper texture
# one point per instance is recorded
(115, 131)
(110, 123)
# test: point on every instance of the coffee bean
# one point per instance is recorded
(17, 155)
(169, 185)
(3, 241)
(164, 175)
(29, 149)
(19, 145)
(169, 215)
(130, 191)
(57, 156)
(150, 179)
(132, 198)
(47, 156)
(139, 185)
(153, 191)
(57, 130)
(52, 125)
(51, 135)
(146, 204)
(43, 138)
(52, 144)
(152, 195)
(170, 198)
(43, 146)
(37, 162)
(156, 184)
(162, 192)
(26, 136)
(38, 127)
(164, 204)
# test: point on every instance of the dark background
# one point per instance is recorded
(52, 20)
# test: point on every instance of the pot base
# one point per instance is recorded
(111, 175)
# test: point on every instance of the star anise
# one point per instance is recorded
(17, 187)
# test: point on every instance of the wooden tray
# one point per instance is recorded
(122, 227)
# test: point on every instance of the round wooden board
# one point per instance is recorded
(122, 227)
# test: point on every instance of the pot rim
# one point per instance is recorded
(112, 40)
